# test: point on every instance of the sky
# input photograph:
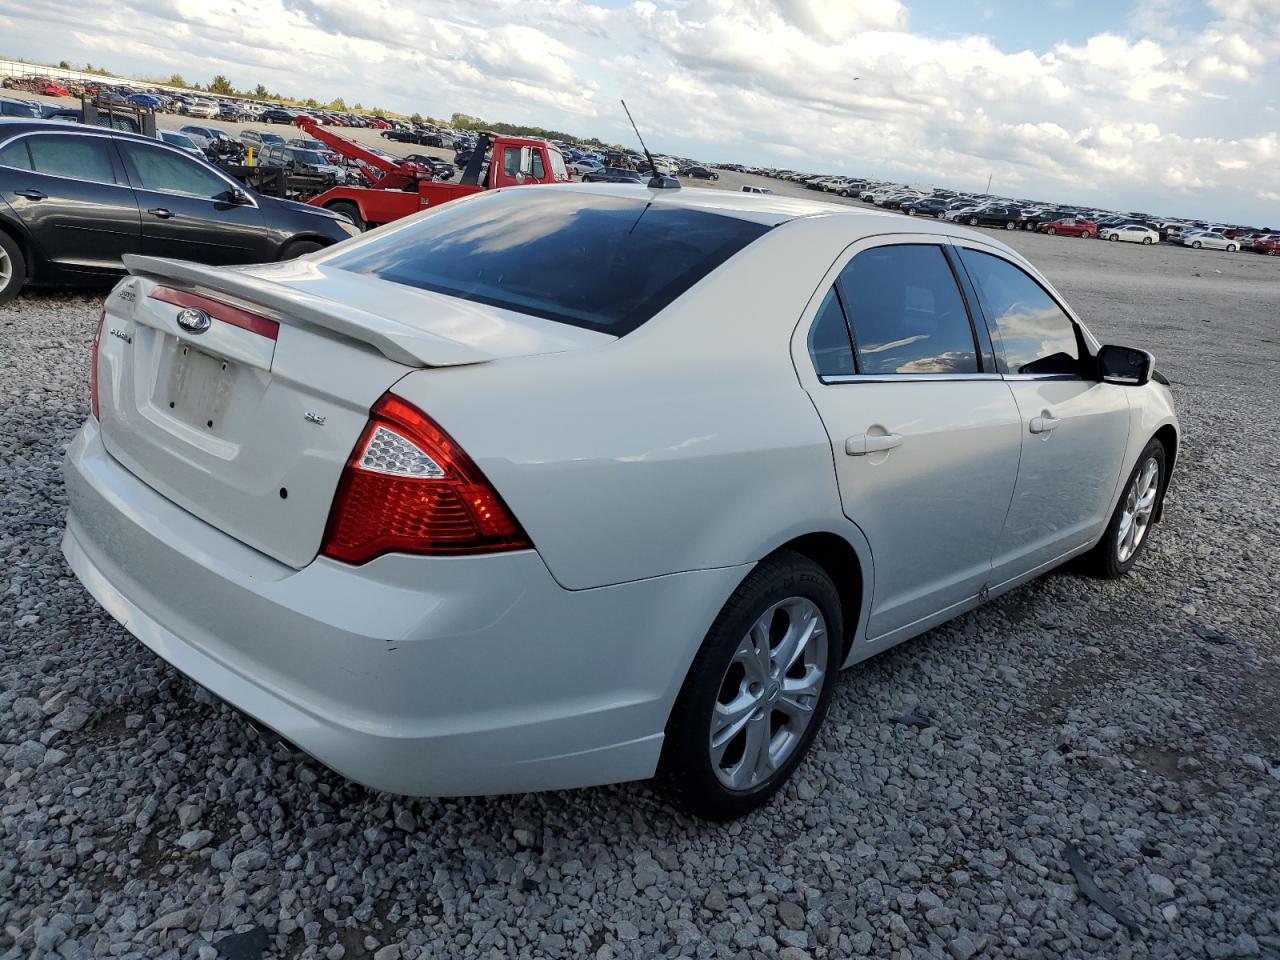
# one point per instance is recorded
(1170, 107)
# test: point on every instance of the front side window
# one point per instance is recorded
(169, 172)
(81, 158)
(906, 311)
(600, 262)
(1032, 333)
(510, 161)
(537, 169)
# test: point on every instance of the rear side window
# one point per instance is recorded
(82, 158)
(604, 263)
(829, 343)
(15, 155)
(1032, 333)
(906, 311)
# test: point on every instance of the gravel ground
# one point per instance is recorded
(1129, 727)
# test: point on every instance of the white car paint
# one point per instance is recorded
(651, 473)
(1130, 233)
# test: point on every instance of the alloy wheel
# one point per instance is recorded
(1139, 502)
(6, 269)
(768, 694)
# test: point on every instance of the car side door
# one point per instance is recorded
(190, 211)
(924, 432)
(69, 191)
(1074, 428)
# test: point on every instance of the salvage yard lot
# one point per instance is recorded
(1135, 719)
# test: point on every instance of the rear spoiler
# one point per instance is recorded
(394, 340)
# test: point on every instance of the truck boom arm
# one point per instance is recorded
(383, 174)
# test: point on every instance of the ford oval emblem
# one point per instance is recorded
(193, 320)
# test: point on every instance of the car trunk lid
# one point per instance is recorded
(248, 422)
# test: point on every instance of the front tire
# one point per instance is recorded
(973, 221)
(1114, 238)
(13, 268)
(1051, 231)
(757, 691)
(1196, 244)
(1146, 241)
(1130, 525)
(1010, 225)
(298, 247)
(1231, 248)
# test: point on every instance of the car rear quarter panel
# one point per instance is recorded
(688, 444)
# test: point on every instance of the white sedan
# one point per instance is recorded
(1131, 233)
(1211, 239)
(549, 488)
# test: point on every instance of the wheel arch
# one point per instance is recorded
(24, 242)
(840, 560)
(1168, 437)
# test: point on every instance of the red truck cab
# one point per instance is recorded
(399, 189)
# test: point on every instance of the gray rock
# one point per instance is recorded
(791, 915)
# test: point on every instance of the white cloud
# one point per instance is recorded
(1160, 115)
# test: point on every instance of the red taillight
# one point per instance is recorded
(93, 366)
(409, 488)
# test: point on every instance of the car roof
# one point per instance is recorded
(9, 126)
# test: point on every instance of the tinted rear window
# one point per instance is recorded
(605, 263)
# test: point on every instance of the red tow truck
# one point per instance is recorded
(399, 188)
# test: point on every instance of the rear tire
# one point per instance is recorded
(13, 268)
(757, 691)
(298, 247)
(1130, 527)
(350, 211)
(1011, 225)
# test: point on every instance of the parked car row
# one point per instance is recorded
(1005, 213)
(77, 199)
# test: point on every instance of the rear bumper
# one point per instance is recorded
(415, 675)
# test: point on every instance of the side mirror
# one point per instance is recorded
(1125, 366)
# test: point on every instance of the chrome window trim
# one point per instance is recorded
(911, 377)
(232, 184)
(80, 130)
(1042, 376)
(94, 131)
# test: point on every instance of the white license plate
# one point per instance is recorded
(196, 388)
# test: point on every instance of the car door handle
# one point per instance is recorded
(1044, 424)
(864, 443)
(31, 194)
(162, 212)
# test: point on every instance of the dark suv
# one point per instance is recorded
(75, 199)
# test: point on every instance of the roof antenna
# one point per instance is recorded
(659, 181)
